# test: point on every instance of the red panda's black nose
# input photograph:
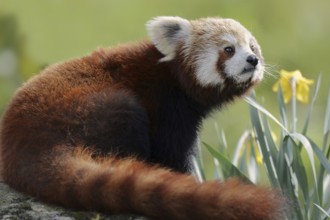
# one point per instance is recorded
(253, 60)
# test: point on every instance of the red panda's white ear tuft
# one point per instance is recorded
(167, 32)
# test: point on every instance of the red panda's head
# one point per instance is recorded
(217, 49)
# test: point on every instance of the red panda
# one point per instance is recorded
(113, 131)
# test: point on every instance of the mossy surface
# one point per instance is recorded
(14, 205)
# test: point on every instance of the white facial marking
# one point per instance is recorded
(259, 73)
(206, 71)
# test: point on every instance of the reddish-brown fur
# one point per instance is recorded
(42, 154)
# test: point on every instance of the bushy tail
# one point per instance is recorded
(76, 179)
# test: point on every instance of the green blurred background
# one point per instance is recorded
(294, 34)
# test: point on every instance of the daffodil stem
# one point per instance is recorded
(294, 105)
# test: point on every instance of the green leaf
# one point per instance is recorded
(317, 197)
(309, 150)
(197, 170)
(269, 138)
(299, 169)
(243, 162)
(282, 106)
(228, 168)
(218, 174)
(289, 185)
(281, 164)
(253, 169)
(323, 160)
(325, 166)
(326, 214)
(326, 123)
(198, 161)
(310, 110)
(222, 138)
(267, 157)
(263, 110)
(239, 147)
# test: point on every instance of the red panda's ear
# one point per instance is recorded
(167, 33)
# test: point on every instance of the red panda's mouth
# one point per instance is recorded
(248, 70)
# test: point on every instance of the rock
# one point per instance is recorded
(14, 205)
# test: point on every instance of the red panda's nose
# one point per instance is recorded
(252, 59)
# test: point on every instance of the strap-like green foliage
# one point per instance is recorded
(295, 163)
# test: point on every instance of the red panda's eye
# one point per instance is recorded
(230, 50)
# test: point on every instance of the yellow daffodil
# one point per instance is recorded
(302, 85)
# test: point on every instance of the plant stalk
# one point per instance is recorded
(294, 104)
